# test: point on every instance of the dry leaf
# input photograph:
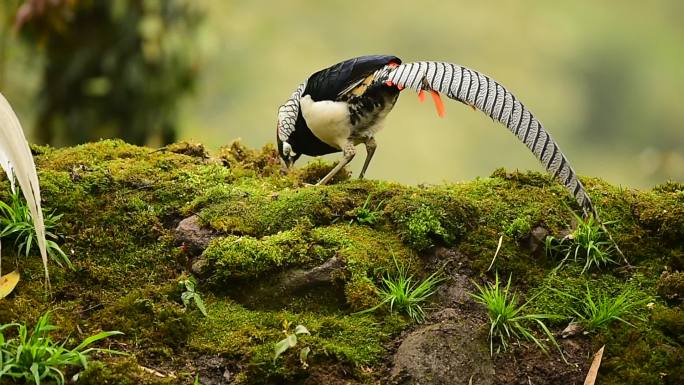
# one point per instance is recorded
(17, 162)
(496, 253)
(573, 329)
(152, 371)
(593, 370)
(7, 283)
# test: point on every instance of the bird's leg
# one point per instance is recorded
(370, 150)
(348, 154)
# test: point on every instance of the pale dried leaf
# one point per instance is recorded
(496, 253)
(291, 340)
(17, 154)
(301, 329)
(303, 355)
(7, 283)
(280, 348)
(593, 370)
(573, 329)
(152, 371)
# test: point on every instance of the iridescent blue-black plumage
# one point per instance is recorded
(328, 84)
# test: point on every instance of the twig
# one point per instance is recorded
(617, 248)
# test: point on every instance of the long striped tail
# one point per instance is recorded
(480, 91)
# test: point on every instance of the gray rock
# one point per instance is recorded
(448, 352)
(333, 269)
(537, 239)
(190, 233)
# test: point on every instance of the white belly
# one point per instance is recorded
(328, 120)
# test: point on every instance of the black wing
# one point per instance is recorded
(327, 84)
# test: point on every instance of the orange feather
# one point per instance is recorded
(439, 105)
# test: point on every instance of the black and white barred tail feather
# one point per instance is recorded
(480, 91)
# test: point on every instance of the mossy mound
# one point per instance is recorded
(121, 204)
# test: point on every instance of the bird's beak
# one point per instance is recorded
(285, 165)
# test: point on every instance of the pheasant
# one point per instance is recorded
(344, 105)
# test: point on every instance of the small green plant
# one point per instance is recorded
(16, 223)
(290, 341)
(35, 357)
(190, 294)
(598, 311)
(588, 241)
(404, 294)
(506, 317)
(366, 215)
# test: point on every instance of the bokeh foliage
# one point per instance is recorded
(604, 78)
(112, 68)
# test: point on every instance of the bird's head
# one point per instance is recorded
(287, 155)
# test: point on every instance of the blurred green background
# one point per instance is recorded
(605, 77)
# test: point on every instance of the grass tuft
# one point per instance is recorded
(506, 317)
(406, 295)
(366, 215)
(597, 311)
(36, 358)
(589, 242)
(16, 223)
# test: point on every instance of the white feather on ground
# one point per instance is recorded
(17, 161)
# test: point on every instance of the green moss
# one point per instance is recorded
(361, 293)
(150, 316)
(662, 213)
(315, 170)
(244, 256)
(422, 226)
(258, 210)
(367, 254)
(122, 371)
(519, 228)
(188, 148)
(640, 356)
(562, 291)
(425, 218)
(671, 322)
(669, 187)
(121, 203)
(247, 162)
(88, 155)
(251, 336)
(670, 286)
(649, 352)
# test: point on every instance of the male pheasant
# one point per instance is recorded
(344, 105)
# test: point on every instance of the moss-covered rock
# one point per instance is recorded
(121, 204)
